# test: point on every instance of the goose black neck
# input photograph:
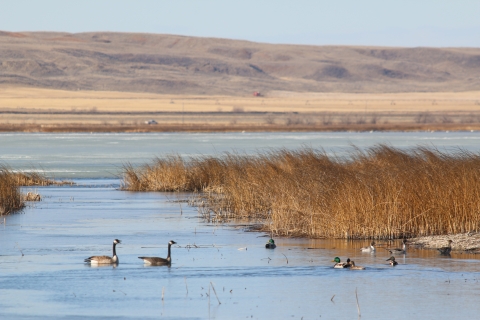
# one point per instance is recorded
(169, 246)
(114, 252)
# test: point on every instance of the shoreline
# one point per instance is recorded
(462, 242)
(194, 127)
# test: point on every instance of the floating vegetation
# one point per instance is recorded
(381, 192)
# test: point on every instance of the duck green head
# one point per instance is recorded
(271, 241)
(336, 260)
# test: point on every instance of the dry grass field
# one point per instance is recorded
(36, 109)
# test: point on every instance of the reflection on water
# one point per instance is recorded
(82, 155)
(294, 280)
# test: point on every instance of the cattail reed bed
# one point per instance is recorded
(381, 192)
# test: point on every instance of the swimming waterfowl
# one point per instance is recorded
(348, 264)
(392, 261)
(155, 261)
(446, 250)
(370, 248)
(354, 267)
(338, 264)
(105, 259)
(270, 244)
(398, 250)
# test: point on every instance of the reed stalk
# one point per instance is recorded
(381, 192)
(10, 197)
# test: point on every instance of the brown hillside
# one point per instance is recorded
(188, 65)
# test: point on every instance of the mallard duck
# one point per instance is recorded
(446, 250)
(155, 261)
(398, 250)
(105, 259)
(338, 264)
(370, 248)
(348, 264)
(392, 261)
(270, 244)
(354, 267)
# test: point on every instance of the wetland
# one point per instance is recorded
(42, 273)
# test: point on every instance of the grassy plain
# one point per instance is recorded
(33, 109)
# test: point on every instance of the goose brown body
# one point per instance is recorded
(156, 261)
(105, 259)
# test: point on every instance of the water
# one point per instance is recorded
(42, 274)
(78, 155)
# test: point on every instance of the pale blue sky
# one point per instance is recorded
(408, 23)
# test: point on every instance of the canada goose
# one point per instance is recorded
(354, 267)
(338, 264)
(392, 261)
(155, 261)
(270, 244)
(446, 250)
(105, 259)
(370, 248)
(398, 250)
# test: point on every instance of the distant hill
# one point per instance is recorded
(189, 65)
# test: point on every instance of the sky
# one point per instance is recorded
(400, 23)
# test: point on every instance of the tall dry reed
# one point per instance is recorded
(10, 197)
(382, 192)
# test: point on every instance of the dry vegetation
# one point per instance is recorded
(11, 199)
(46, 110)
(382, 192)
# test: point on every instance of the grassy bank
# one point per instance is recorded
(382, 192)
(10, 196)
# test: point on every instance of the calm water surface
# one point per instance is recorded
(102, 155)
(42, 274)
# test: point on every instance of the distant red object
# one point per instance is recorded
(257, 94)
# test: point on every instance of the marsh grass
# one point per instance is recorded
(10, 196)
(381, 192)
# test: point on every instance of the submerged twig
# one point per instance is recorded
(215, 292)
(358, 305)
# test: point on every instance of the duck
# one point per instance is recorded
(338, 264)
(155, 261)
(105, 259)
(270, 244)
(446, 250)
(370, 248)
(348, 264)
(398, 250)
(392, 261)
(354, 267)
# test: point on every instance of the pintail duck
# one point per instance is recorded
(446, 250)
(270, 244)
(105, 259)
(370, 248)
(354, 267)
(392, 261)
(398, 250)
(155, 261)
(340, 265)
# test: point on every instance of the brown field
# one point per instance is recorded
(33, 109)
(381, 193)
